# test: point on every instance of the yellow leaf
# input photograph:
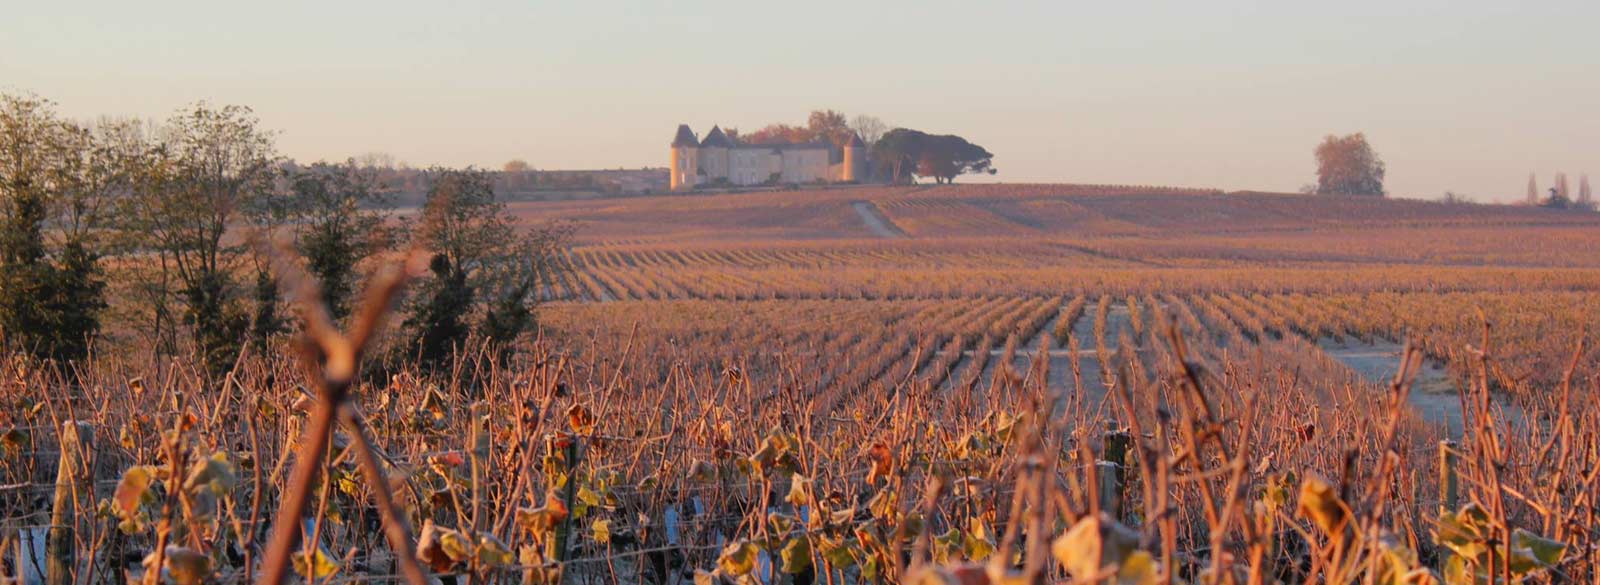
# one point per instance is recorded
(602, 531)
(1092, 543)
(544, 518)
(1138, 569)
(455, 545)
(738, 559)
(320, 566)
(214, 472)
(492, 552)
(132, 490)
(799, 490)
(1320, 503)
(186, 566)
(588, 496)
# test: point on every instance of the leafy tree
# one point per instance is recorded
(829, 126)
(208, 172)
(55, 180)
(1348, 166)
(31, 148)
(341, 216)
(780, 134)
(515, 278)
(896, 152)
(1557, 200)
(515, 175)
(483, 267)
(903, 152)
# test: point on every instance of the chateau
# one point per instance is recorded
(719, 161)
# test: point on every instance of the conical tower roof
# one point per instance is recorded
(855, 141)
(717, 139)
(685, 137)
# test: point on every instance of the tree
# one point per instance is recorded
(869, 128)
(1557, 200)
(32, 146)
(780, 134)
(896, 152)
(1561, 188)
(1533, 190)
(514, 174)
(1585, 195)
(1348, 166)
(208, 171)
(341, 221)
(481, 265)
(515, 280)
(829, 126)
(56, 178)
(944, 157)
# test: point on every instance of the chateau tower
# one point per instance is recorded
(685, 160)
(855, 160)
(714, 154)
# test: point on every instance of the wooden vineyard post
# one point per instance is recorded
(59, 563)
(568, 495)
(1449, 489)
(1113, 472)
(1110, 488)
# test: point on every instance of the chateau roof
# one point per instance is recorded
(855, 141)
(716, 139)
(685, 137)
(784, 146)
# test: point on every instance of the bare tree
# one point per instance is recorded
(1533, 190)
(869, 128)
(376, 160)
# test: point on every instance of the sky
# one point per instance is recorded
(1462, 95)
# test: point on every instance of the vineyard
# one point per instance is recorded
(1035, 383)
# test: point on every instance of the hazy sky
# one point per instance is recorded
(1462, 95)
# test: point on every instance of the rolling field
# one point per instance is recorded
(930, 384)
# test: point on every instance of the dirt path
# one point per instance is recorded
(876, 221)
(1434, 392)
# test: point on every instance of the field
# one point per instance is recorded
(935, 384)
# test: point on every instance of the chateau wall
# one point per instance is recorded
(751, 166)
(805, 165)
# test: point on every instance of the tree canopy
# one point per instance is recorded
(1347, 165)
(903, 152)
(829, 126)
